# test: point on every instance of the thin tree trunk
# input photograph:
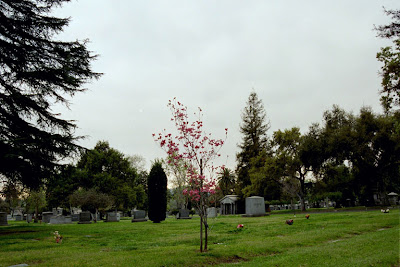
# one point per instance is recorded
(201, 232)
(205, 233)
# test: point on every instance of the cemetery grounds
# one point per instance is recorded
(363, 238)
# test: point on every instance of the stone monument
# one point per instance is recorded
(255, 206)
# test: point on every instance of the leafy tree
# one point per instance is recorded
(60, 185)
(12, 191)
(254, 130)
(368, 145)
(36, 71)
(179, 180)
(390, 57)
(266, 172)
(157, 186)
(36, 200)
(138, 162)
(91, 200)
(111, 173)
(289, 147)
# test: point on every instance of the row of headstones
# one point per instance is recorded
(254, 207)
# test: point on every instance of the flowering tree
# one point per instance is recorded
(196, 150)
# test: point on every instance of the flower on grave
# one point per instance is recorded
(385, 211)
(307, 216)
(57, 237)
(289, 222)
(240, 226)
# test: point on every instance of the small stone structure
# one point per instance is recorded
(212, 212)
(139, 216)
(112, 217)
(255, 206)
(3, 219)
(85, 217)
(229, 204)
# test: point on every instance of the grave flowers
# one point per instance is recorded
(240, 226)
(289, 222)
(307, 216)
(57, 237)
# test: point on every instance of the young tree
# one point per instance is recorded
(197, 150)
(37, 200)
(36, 71)
(91, 200)
(254, 130)
(179, 181)
(157, 195)
(390, 57)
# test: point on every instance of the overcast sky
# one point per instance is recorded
(300, 57)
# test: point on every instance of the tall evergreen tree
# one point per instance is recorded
(37, 71)
(254, 129)
(157, 190)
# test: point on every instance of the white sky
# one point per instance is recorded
(300, 57)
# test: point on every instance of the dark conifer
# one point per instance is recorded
(37, 71)
(157, 193)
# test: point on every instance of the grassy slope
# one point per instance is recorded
(328, 239)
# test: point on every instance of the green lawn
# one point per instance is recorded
(367, 238)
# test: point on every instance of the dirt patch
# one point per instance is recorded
(16, 232)
(231, 259)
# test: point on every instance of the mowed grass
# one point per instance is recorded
(367, 238)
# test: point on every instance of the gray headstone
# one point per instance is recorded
(183, 214)
(29, 218)
(75, 217)
(139, 216)
(85, 217)
(113, 217)
(255, 206)
(46, 216)
(3, 219)
(212, 212)
(18, 217)
(60, 219)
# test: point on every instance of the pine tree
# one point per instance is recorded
(37, 71)
(254, 129)
(157, 192)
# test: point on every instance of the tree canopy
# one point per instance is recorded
(37, 71)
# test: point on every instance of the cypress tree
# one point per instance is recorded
(37, 71)
(157, 193)
(254, 130)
